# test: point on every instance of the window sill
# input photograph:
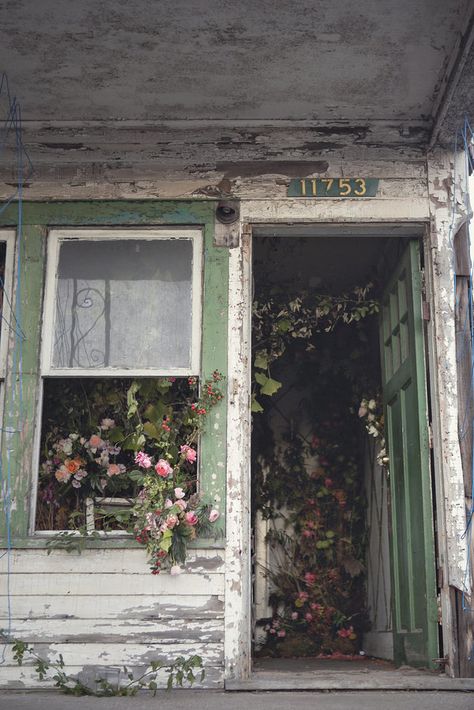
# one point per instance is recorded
(119, 540)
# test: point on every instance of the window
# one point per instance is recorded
(122, 315)
(123, 302)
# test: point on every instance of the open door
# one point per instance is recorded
(415, 625)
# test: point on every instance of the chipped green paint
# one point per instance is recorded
(37, 218)
(20, 407)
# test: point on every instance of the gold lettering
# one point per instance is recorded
(344, 185)
(329, 183)
(315, 189)
(362, 187)
(303, 187)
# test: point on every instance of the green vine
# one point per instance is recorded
(278, 321)
(180, 672)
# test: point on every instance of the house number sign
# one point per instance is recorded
(333, 187)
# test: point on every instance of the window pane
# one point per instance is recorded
(124, 303)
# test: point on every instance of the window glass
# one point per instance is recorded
(123, 303)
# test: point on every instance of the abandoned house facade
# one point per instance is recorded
(207, 153)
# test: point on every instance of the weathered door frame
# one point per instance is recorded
(238, 661)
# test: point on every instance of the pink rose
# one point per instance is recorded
(95, 442)
(163, 468)
(62, 474)
(308, 617)
(191, 517)
(328, 482)
(175, 569)
(213, 515)
(181, 504)
(189, 453)
(168, 503)
(294, 615)
(113, 469)
(142, 459)
(310, 578)
(282, 633)
(179, 493)
(171, 521)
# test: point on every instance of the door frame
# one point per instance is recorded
(238, 587)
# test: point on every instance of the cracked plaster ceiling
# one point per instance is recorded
(219, 60)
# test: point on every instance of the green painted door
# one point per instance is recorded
(415, 625)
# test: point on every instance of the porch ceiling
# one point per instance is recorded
(222, 60)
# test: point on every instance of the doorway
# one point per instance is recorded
(340, 531)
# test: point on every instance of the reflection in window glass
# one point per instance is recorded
(124, 303)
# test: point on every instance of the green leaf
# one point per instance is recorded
(283, 325)
(166, 541)
(261, 360)
(136, 475)
(134, 442)
(260, 378)
(255, 406)
(270, 387)
(151, 430)
(116, 434)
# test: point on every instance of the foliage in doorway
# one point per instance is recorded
(134, 438)
(279, 320)
(308, 482)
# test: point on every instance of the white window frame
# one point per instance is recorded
(7, 236)
(57, 237)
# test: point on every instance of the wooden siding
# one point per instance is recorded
(103, 609)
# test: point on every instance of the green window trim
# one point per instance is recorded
(38, 218)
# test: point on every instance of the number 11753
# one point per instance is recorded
(333, 187)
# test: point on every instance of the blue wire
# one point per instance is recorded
(14, 121)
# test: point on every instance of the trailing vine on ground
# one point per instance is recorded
(182, 671)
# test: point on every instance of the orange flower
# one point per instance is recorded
(73, 465)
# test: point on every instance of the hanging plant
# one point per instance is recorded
(168, 512)
(147, 454)
(278, 321)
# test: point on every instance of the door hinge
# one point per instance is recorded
(443, 662)
(426, 311)
(440, 612)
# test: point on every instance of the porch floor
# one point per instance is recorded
(335, 674)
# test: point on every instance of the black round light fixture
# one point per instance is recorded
(227, 212)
